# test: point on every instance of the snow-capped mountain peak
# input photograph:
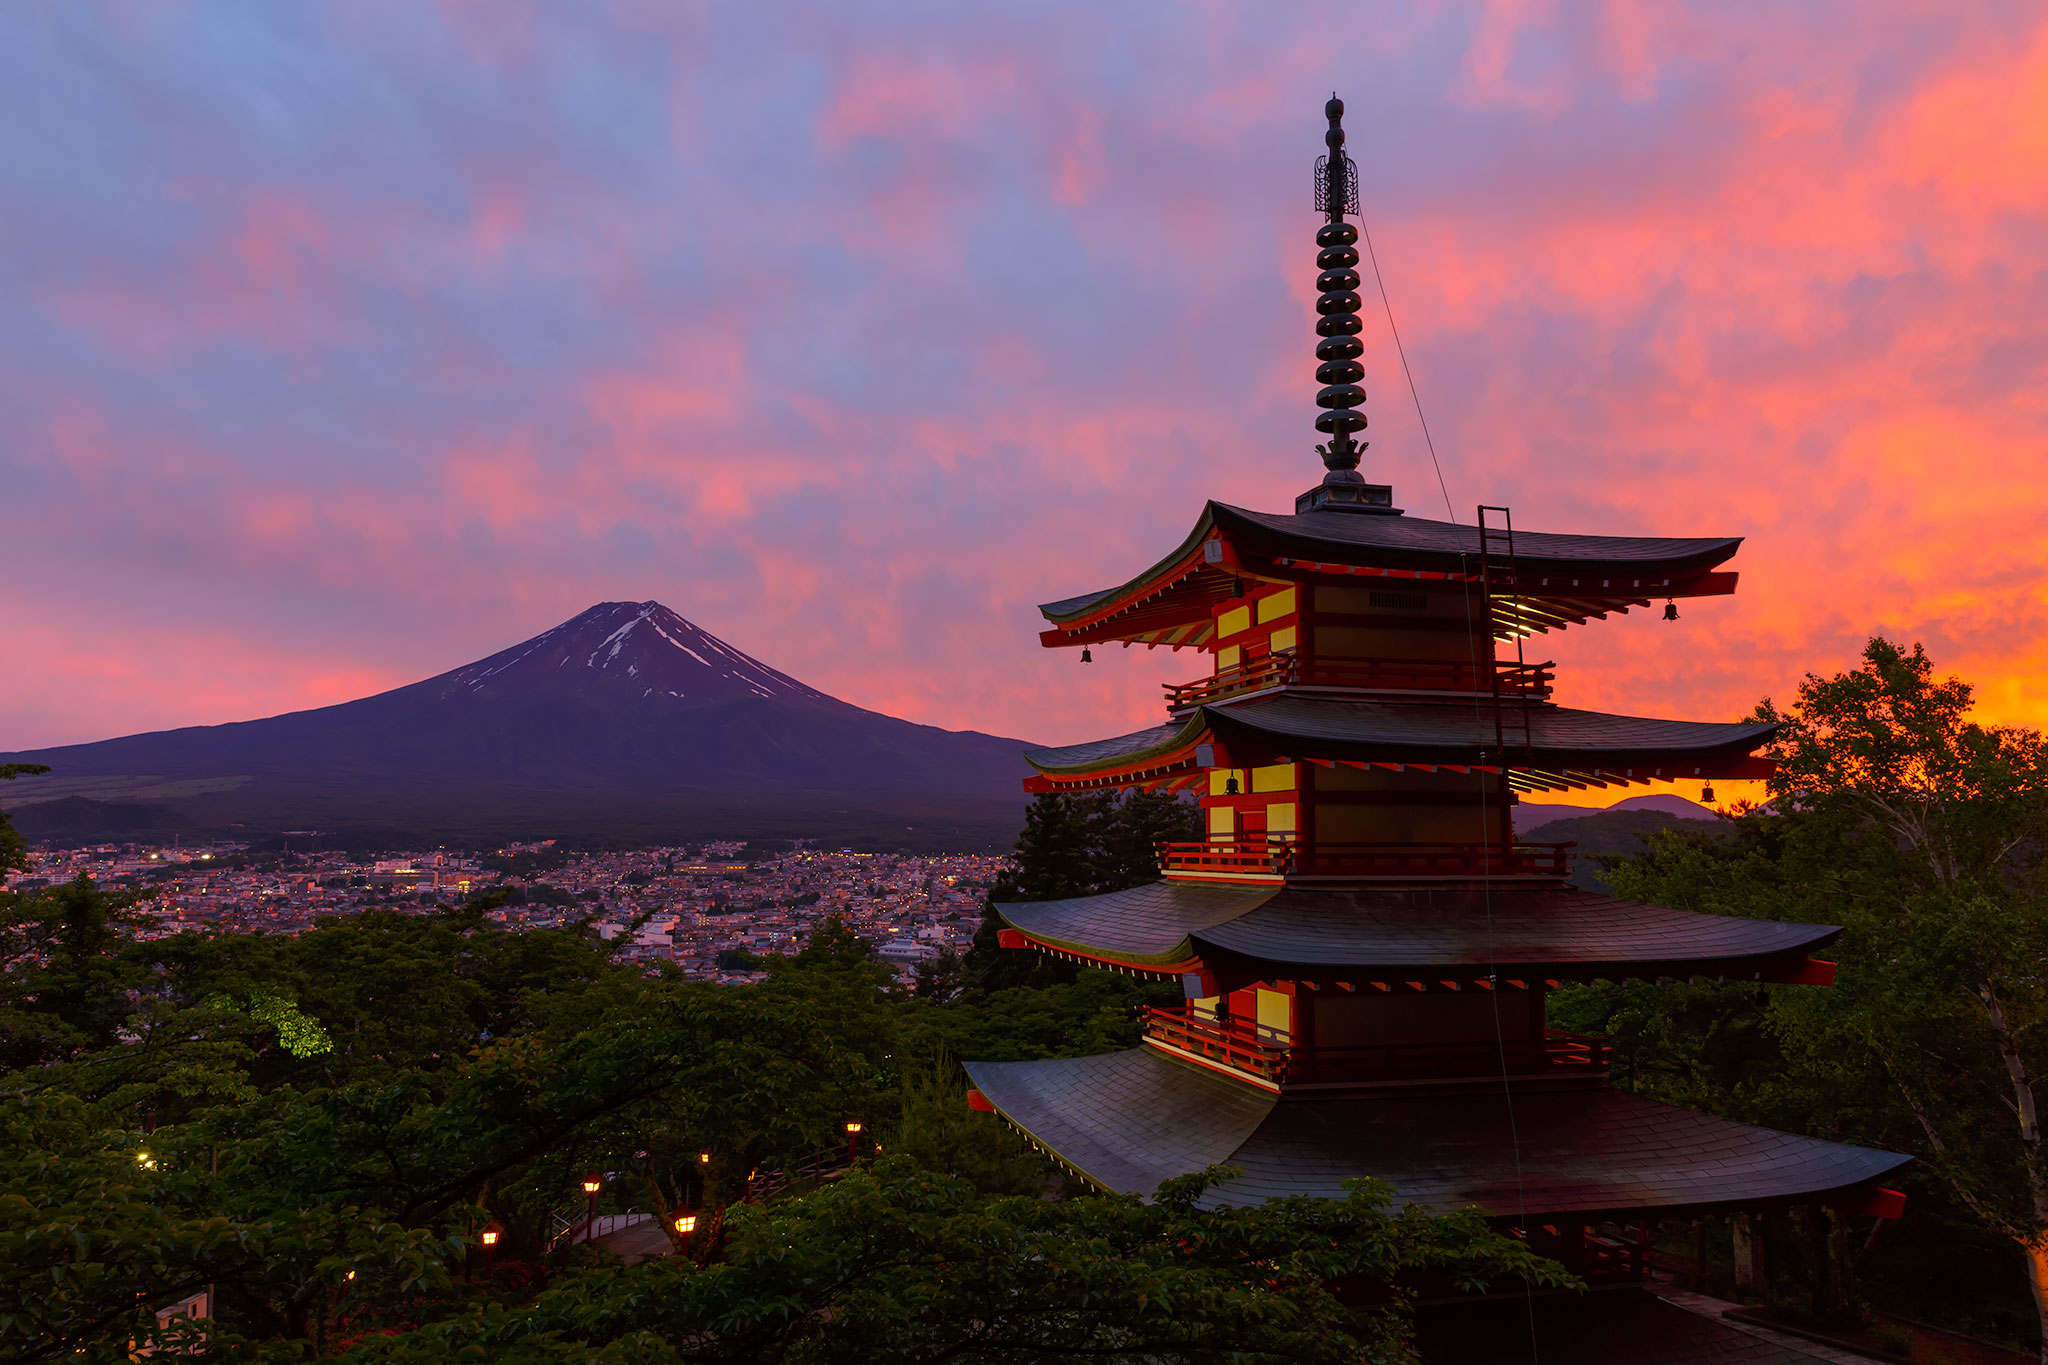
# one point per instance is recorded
(633, 647)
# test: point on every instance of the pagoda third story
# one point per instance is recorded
(1364, 947)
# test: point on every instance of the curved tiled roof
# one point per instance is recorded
(1143, 924)
(1451, 542)
(1130, 1120)
(1402, 542)
(1533, 933)
(1418, 732)
(1122, 1121)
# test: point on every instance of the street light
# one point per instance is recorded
(686, 1223)
(489, 1238)
(592, 1183)
(852, 1142)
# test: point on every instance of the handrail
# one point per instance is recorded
(1242, 1048)
(1274, 857)
(817, 1166)
(1288, 668)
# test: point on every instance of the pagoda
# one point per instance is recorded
(1364, 947)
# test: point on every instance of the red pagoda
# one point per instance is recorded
(1364, 946)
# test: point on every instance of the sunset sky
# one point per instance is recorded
(345, 344)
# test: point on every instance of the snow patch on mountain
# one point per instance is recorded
(672, 658)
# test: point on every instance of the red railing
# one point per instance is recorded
(1288, 669)
(1246, 1049)
(1239, 857)
(1282, 858)
(1239, 1047)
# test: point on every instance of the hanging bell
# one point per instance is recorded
(1670, 610)
(1707, 793)
(1236, 586)
(1230, 786)
(1086, 657)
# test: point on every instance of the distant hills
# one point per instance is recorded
(1615, 829)
(626, 722)
(1530, 818)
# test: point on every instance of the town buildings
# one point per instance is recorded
(707, 908)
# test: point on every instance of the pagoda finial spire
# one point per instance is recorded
(1337, 305)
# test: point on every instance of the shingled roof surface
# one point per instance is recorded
(1133, 1119)
(1560, 932)
(1403, 542)
(1418, 732)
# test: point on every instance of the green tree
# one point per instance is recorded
(1075, 845)
(1948, 816)
(1920, 832)
(899, 1264)
(14, 853)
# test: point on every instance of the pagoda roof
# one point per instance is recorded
(1131, 1120)
(1271, 728)
(1567, 578)
(1390, 934)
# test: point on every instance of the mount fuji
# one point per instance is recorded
(625, 721)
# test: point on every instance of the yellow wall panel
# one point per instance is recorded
(1228, 657)
(1285, 638)
(1233, 621)
(1278, 778)
(1276, 1011)
(1222, 822)
(1280, 818)
(1280, 604)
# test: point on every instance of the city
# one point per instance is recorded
(711, 909)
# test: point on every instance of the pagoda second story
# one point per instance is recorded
(1369, 712)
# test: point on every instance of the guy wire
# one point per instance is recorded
(1402, 351)
(1486, 885)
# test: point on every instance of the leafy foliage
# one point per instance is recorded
(1076, 845)
(902, 1264)
(332, 1194)
(1920, 833)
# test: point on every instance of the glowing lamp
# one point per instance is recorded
(852, 1127)
(686, 1224)
(703, 1158)
(489, 1237)
(592, 1184)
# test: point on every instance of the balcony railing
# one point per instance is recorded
(1238, 1047)
(1260, 1054)
(1426, 675)
(1275, 858)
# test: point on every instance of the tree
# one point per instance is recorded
(1920, 832)
(1950, 815)
(900, 1264)
(1075, 845)
(13, 853)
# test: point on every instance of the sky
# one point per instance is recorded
(345, 344)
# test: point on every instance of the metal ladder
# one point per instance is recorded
(1497, 546)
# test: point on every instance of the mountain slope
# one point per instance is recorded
(1530, 818)
(625, 720)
